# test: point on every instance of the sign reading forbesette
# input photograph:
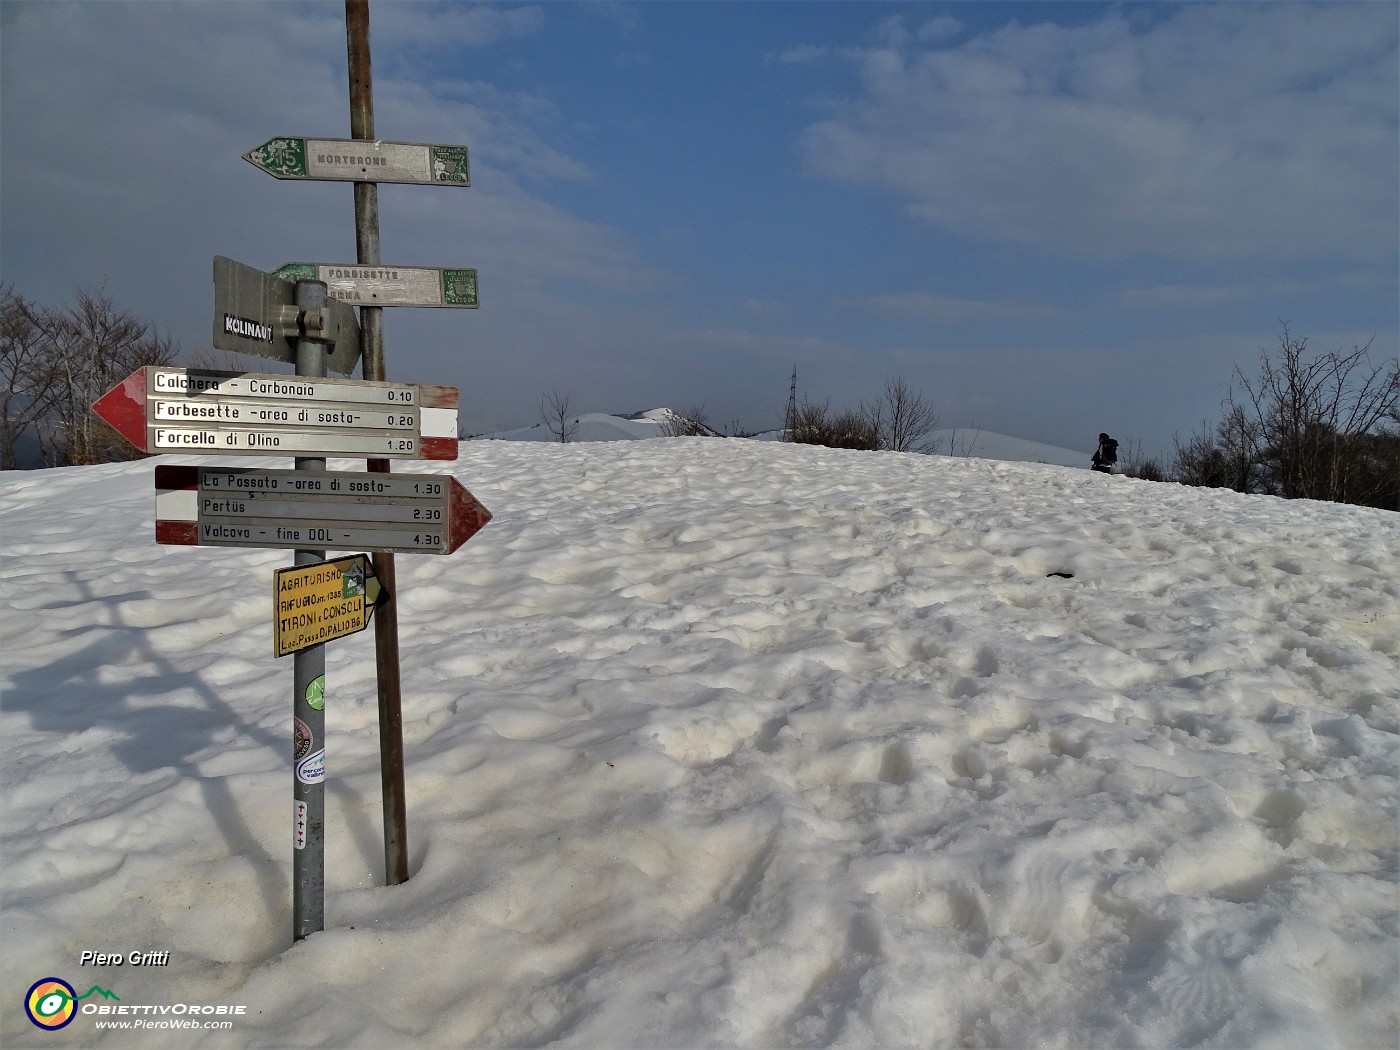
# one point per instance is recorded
(388, 285)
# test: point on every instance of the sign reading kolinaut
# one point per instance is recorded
(362, 160)
(298, 509)
(256, 313)
(162, 409)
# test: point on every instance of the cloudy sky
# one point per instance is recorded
(1050, 219)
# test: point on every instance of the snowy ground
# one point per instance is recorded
(962, 442)
(717, 743)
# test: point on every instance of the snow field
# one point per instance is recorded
(729, 743)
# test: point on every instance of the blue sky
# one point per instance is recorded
(1050, 219)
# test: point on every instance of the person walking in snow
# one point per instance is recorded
(1106, 454)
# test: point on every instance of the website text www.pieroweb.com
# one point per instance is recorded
(53, 1003)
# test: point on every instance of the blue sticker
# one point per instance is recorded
(312, 768)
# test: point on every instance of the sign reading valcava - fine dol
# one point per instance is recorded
(388, 285)
(299, 509)
(208, 412)
(322, 602)
(362, 160)
(256, 313)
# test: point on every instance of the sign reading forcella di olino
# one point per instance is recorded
(339, 510)
(362, 160)
(314, 604)
(388, 285)
(161, 409)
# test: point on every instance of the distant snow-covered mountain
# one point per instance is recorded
(953, 441)
(595, 426)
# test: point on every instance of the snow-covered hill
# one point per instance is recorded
(726, 743)
(594, 426)
(967, 443)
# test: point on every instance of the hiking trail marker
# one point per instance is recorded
(339, 510)
(362, 160)
(256, 313)
(160, 409)
(388, 285)
(313, 604)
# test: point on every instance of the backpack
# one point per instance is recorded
(1110, 451)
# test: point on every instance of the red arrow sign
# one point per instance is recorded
(336, 510)
(124, 408)
(201, 412)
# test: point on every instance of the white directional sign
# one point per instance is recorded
(360, 160)
(162, 409)
(387, 285)
(338, 510)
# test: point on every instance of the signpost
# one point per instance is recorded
(256, 313)
(313, 604)
(221, 507)
(388, 285)
(302, 315)
(355, 160)
(162, 409)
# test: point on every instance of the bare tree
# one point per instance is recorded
(554, 411)
(1308, 416)
(1318, 426)
(25, 373)
(962, 443)
(57, 363)
(814, 424)
(1136, 464)
(904, 418)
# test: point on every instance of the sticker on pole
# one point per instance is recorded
(318, 603)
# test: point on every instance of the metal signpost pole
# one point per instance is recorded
(308, 701)
(386, 624)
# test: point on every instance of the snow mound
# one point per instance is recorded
(959, 442)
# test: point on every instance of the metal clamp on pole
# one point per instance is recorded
(316, 324)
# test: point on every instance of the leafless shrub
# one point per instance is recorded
(554, 412)
(56, 363)
(1320, 426)
(904, 418)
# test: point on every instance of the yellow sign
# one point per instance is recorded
(318, 603)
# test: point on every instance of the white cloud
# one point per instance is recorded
(450, 25)
(941, 28)
(1259, 132)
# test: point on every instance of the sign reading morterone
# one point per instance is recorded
(161, 409)
(387, 285)
(360, 160)
(314, 604)
(298, 509)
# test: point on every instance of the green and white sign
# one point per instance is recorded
(359, 160)
(387, 285)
